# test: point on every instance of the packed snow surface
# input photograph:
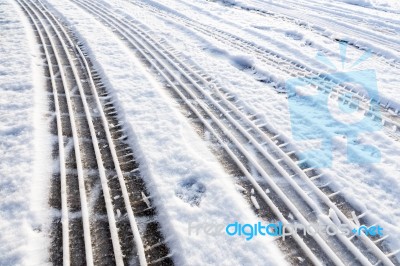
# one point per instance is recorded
(187, 181)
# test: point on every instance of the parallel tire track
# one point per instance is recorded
(317, 28)
(235, 132)
(387, 114)
(97, 190)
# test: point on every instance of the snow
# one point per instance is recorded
(187, 183)
(393, 4)
(255, 202)
(353, 181)
(25, 166)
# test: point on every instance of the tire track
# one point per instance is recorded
(208, 102)
(98, 193)
(388, 113)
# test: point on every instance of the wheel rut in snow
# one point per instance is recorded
(102, 212)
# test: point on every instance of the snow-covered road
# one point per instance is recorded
(144, 132)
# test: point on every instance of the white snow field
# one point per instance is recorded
(145, 132)
(25, 144)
